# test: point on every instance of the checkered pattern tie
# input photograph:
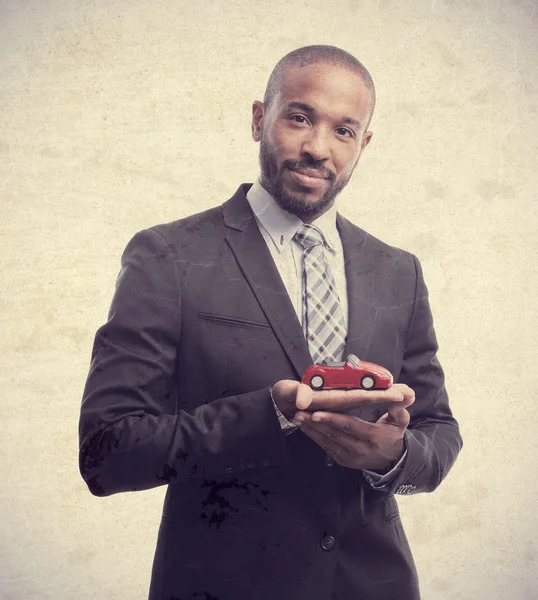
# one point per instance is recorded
(323, 319)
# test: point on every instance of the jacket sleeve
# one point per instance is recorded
(131, 436)
(432, 439)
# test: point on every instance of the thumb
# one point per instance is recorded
(304, 396)
(396, 416)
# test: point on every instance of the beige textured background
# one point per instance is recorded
(116, 115)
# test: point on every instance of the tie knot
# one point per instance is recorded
(309, 236)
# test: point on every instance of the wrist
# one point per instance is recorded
(392, 460)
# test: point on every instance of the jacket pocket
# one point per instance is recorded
(232, 321)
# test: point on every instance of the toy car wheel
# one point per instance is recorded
(368, 382)
(317, 382)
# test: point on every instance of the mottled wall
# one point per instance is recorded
(116, 115)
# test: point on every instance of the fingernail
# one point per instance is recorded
(317, 418)
(297, 421)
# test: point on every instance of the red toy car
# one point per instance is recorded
(351, 374)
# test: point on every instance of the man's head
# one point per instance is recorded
(312, 127)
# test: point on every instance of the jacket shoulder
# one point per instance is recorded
(206, 223)
(204, 232)
(200, 235)
(377, 249)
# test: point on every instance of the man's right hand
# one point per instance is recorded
(292, 396)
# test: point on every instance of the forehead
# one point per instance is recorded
(327, 88)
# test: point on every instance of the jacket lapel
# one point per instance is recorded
(258, 267)
(360, 288)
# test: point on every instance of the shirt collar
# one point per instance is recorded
(281, 225)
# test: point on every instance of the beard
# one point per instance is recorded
(271, 180)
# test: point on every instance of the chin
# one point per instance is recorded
(307, 198)
(304, 208)
(299, 202)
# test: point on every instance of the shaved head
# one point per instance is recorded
(309, 55)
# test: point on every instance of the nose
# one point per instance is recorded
(316, 144)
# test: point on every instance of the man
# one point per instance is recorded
(274, 491)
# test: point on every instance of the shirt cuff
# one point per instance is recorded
(378, 481)
(285, 425)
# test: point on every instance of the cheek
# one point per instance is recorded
(286, 144)
(345, 163)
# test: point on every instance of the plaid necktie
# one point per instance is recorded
(323, 319)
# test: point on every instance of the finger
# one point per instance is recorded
(407, 393)
(343, 400)
(343, 438)
(347, 424)
(397, 413)
(304, 396)
(335, 443)
(395, 416)
(301, 417)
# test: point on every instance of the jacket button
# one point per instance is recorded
(327, 543)
(329, 461)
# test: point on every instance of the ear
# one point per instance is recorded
(366, 140)
(258, 112)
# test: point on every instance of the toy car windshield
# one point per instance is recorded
(352, 361)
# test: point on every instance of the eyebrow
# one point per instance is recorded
(310, 109)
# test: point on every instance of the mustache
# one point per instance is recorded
(309, 164)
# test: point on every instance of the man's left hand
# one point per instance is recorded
(358, 444)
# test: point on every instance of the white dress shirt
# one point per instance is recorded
(278, 227)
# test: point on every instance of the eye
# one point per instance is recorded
(301, 119)
(343, 131)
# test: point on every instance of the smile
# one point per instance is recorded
(308, 177)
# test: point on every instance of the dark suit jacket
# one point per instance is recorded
(178, 393)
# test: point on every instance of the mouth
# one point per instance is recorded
(309, 177)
